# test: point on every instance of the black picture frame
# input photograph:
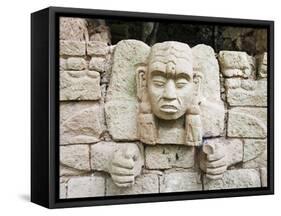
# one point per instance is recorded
(45, 108)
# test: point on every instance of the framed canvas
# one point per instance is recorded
(138, 107)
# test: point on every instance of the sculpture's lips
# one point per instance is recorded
(169, 108)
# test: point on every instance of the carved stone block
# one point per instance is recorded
(76, 63)
(205, 61)
(235, 64)
(97, 64)
(145, 184)
(121, 94)
(233, 148)
(75, 156)
(247, 122)
(253, 148)
(72, 48)
(74, 29)
(81, 122)
(70, 171)
(242, 178)
(127, 54)
(169, 156)
(80, 85)
(97, 48)
(121, 118)
(259, 162)
(246, 92)
(86, 186)
(212, 115)
(180, 181)
(102, 154)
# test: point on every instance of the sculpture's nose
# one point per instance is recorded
(170, 90)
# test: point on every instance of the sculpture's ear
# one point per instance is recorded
(141, 70)
(197, 79)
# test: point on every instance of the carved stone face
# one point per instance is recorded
(170, 82)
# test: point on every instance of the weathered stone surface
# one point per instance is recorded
(76, 63)
(212, 116)
(81, 122)
(80, 85)
(212, 107)
(86, 186)
(97, 64)
(97, 48)
(170, 132)
(63, 65)
(263, 173)
(72, 48)
(102, 154)
(62, 190)
(205, 61)
(74, 29)
(121, 95)
(127, 54)
(121, 119)
(76, 156)
(69, 171)
(235, 64)
(247, 122)
(180, 181)
(233, 148)
(246, 92)
(258, 162)
(262, 65)
(169, 156)
(103, 36)
(253, 148)
(242, 178)
(145, 184)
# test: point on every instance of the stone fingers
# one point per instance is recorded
(124, 163)
(132, 152)
(122, 171)
(123, 179)
(217, 163)
(215, 156)
(216, 171)
(214, 177)
(124, 184)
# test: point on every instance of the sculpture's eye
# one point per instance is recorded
(159, 81)
(181, 82)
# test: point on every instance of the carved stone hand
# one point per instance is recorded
(125, 166)
(213, 161)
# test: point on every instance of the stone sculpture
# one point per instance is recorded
(168, 90)
(116, 138)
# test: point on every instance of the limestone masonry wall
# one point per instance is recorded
(95, 121)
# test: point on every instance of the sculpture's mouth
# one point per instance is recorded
(169, 108)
